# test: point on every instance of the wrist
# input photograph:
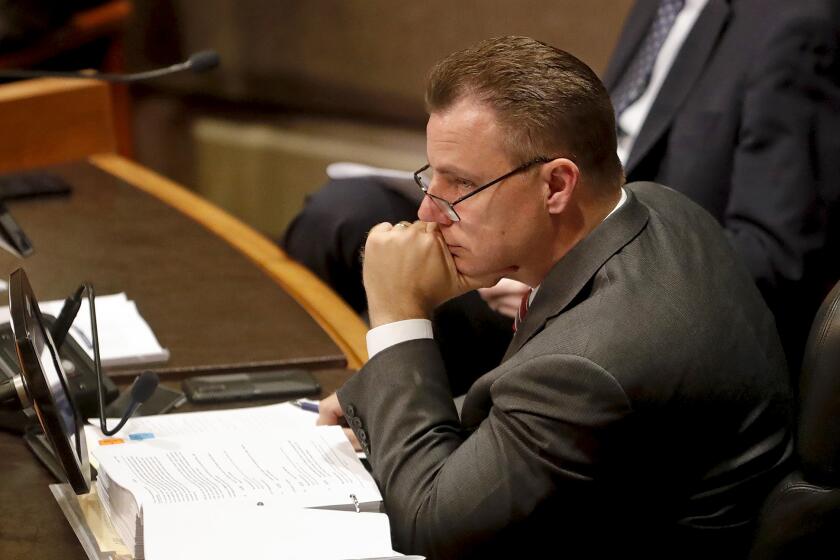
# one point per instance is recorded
(393, 313)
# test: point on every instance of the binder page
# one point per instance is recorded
(257, 529)
(255, 420)
(316, 467)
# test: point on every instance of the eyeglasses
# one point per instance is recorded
(423, 178)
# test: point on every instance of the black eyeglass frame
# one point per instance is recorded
(449, 207)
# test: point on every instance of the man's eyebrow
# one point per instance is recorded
(453, 171)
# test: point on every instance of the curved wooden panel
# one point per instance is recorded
(340, 322)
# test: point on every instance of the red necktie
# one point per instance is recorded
(523, 309)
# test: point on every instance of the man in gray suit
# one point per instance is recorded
(642, 407)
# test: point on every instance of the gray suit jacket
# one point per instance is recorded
(641, 407)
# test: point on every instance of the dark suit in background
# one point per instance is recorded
(641, 410)
(747, 124)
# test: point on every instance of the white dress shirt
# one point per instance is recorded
(631, 120)
(389, 334)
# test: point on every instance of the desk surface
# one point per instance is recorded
(213, 308)
(210, 305)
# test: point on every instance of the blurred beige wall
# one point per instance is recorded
(353, 68)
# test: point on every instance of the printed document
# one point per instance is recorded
(292, 468)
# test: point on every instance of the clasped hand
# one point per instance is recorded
(408, 271)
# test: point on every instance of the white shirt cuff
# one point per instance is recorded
(389, 334)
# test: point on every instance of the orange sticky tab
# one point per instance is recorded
(111, 441)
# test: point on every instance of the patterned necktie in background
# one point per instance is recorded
(635, 80)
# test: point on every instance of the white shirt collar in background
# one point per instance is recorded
(631, 121)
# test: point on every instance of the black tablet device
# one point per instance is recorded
(279, 385)
(46, 384)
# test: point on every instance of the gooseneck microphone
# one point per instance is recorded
(142, 388)
(199, 62)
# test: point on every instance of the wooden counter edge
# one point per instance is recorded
(337, 319)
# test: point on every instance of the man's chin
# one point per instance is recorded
(465, 267)
(468, 268)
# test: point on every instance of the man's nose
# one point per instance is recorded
(429, 212)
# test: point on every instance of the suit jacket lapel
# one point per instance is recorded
(578, 266)
(632, 34)
(687, 67)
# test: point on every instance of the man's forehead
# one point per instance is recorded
(465, 116)
(467, 129)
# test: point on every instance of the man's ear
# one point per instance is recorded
(562, 177)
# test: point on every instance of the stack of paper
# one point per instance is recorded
(275, 532)
(124, 336)
(237, 483)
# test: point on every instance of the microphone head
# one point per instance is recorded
(203, 61)
(144, 386)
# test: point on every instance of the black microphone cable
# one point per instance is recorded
(142, 388)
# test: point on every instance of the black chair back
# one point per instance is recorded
(801, 518)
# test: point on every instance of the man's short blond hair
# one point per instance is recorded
(548, 102)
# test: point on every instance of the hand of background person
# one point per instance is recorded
(330, 414)
(505, 297)
(408, 271)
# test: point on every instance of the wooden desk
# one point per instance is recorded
(212, 306)
(206, 302)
